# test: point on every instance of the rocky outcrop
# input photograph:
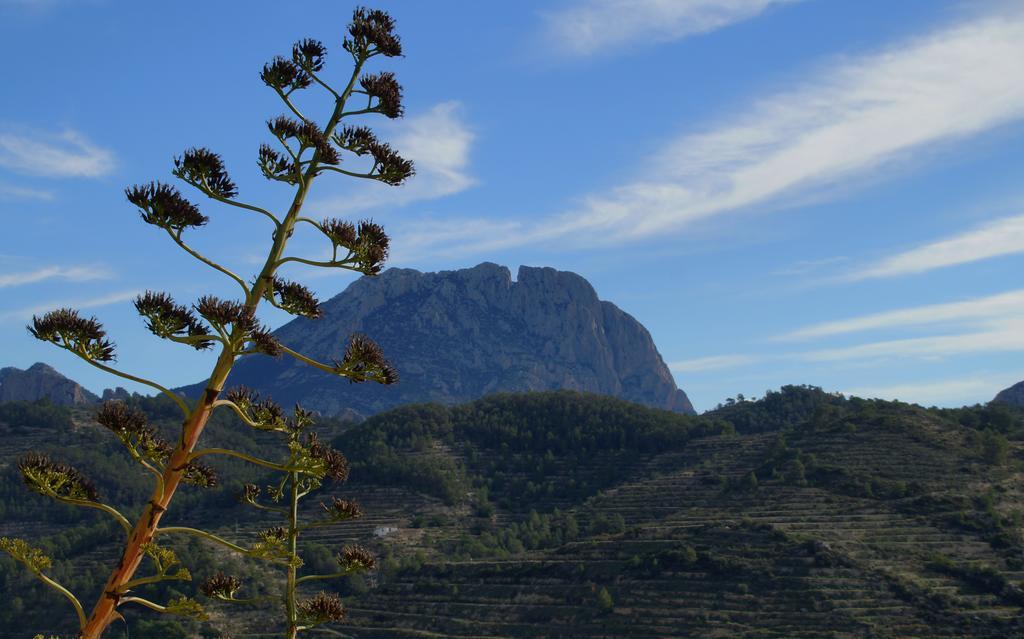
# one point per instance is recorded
(40, 381)
(455, 336)
(1013, 395)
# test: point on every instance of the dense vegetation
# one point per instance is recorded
(803, 514)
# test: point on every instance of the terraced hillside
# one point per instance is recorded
(803, 514)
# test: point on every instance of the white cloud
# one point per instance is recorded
(12, 192)
(68, 154)
(996, 308)
(1000, 237)
(80, 304)
(713, 362)
(439, 142)
(851, 119)
(999, 337)
(947, 392)
(593, 26)
(74, 274)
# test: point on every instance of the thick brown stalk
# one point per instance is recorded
(105, 611)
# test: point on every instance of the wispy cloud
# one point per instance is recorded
(80, 304)
(12, 192)
(1004, 236)
(73, 273)
(992, 308)
(68, 154)
(714, 362)
(1004, 336)
(851, 119)
(439, 141)
(593, 26)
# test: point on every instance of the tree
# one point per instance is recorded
(232, 327)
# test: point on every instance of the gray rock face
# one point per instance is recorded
(1013, 395)
(40, 381)
(455, 336)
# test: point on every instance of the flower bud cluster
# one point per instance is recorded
(364, 361)
(293, 298)
(204, 170)
(64, 327)
(162, 205)
(54, 479)
(372, 32)
(321, 608)
(166, 319)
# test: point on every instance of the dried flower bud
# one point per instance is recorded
(388, 92)
(220, 586)
(309, 54)
(301, 418)
(272, 544)
(225, 312)
(334, 464)
(204, 169)
(263, 341)
(371, 247)
(121, 419)
(284, 75)
(340, 232)
(132, 428)
(162, 205)
(364, 361)
(293, 298)
(357, 139)
(322, 608)
(200, 475)
(250, 493)
(283, 127)
(242, 397)
(53, 479)
(342, 509)
(372, 31)
(66, 328)
(166, 319)
(32, 557)
(389, 166)
(277, 167)
(356, 558)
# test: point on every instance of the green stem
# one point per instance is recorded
(312, 362)
(142, 581)
(233, 453)
(332, 264)
(121, 519)
(318, 577)
(191, 251)
(293, 544)
(143, 602)
(205, 535)
(113, 371)
(70, 597)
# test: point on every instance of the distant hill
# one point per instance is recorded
(1013, 395)
(561, 514)
(41, 381)
(455, 336)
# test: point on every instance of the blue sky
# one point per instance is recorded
(802, 191)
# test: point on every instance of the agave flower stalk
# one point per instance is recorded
(308, 149)
(308, 465)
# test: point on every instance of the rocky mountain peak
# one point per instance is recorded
(1013, 395)
(458, 335)
(41, 381)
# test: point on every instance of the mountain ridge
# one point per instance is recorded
(458, 335)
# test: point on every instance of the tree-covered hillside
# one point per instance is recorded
(803, 514)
